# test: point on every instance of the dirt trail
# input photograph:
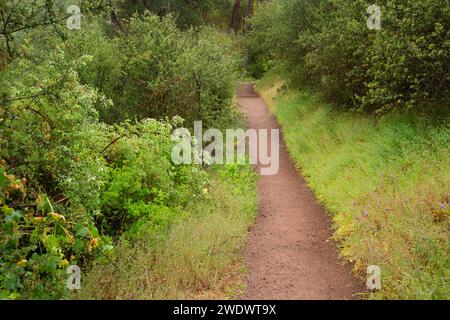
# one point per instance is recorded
(289, 253)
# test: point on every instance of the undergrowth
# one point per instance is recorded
(198, 255)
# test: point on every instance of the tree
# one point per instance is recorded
(18, 16)
(248, 13)
(234, 15)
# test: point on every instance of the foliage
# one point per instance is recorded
(327, 45)
(78, 125)
(37, 244)
(190, 253)
(18, 17)
(186, 13)
(143, 178)
(157, 71)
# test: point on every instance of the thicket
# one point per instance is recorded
(155, 70)
(86, 118)
(326, 44)
(185, 12)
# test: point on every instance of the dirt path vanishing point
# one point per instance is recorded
(289, 253)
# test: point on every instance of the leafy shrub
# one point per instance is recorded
(143, 178)
(328, 46)
(408, 60)
(187, 13)
(77, 124)
(192, 252)
(37, 244)
(156, 71)
(49, 129)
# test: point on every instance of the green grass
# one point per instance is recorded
(385, 182)
(198, 257)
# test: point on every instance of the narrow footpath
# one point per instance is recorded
(290, 253)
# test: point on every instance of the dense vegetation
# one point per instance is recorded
(197, 257)
(186, 13)
(365, 115)
(86, 122)
(86, 118)
(326, 44)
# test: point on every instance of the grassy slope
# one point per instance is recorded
(199, 257)
(385, 183)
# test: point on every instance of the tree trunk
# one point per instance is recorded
(115, 21)
(248, 13)
(234, 15)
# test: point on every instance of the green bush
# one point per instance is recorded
(154, 70)
(143, 178)
(77, 123)
(327, 45)
(37, 244)
(187, 13)
(50, 127)
(194, 252)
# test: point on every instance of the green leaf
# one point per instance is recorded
(13, 216)
(4, 295)
(3, 180)
(11, 281)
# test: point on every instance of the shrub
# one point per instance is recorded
(156, 71)
(37, 244)
(86, 123)
(402, 66)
